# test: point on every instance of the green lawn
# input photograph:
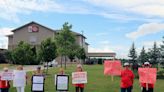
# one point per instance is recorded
(97, 82)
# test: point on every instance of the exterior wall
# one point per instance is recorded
(80, 40)
(10, 42)
(33, 38)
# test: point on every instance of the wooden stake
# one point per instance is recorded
(147, 88)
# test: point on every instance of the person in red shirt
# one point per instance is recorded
(79, 87)
(4, 84)
(149, 86)
(127, 78)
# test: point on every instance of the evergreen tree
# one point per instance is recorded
(154, 54)
(162, 51)
(143, 57)
(133, 54)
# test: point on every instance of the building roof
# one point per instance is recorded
(32, 22)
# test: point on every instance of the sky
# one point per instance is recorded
(109, 25)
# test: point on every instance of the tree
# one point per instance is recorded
(64, 41)
(8, 56)
(133, 57)
(133, 54)
(143, 56)
(47, 51)
(154, 54)
(162, 51)
(23, 54)
(74, 51)
(81, 54)
(2, 57)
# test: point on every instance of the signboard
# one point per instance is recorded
(62, 82)
(19, 78)
(33, 28)
(147, 75)
(7, 76)
(37, 83)
(112, 67)
(79, 77)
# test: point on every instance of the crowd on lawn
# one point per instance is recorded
(126, 83)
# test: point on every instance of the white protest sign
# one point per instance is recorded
(37, 83)
(6, 76)
(38, 79)
(37, 87)
(62, 82)
(79, 77)
(19, 79)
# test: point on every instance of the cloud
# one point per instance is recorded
(5, 31)
(146, 29)
(148, 8)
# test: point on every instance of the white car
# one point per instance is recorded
(51, 64)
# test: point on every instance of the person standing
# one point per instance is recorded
(21, 87)
(79, 87)
(144, 86)
(127, 78)
(38, 72)
(4, 84)
(61, 72)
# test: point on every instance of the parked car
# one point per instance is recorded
(53, 63)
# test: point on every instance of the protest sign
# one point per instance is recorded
(37, 83)
(79, 77)
(62, 82)
(147, 75)
(19, 78)
(112, 67)
(6, 76)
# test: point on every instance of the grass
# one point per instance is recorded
(97, 82)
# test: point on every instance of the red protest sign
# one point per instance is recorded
(147, 75)
(79, 77)
(112, 67)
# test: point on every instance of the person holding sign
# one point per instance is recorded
(61, 72)
(147, 87)
(19, 80)
(4, 84)
(127, 78)
(79, 87)
(38, 80)
(38, 71)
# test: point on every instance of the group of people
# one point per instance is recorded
(5, 84)
(127, 79)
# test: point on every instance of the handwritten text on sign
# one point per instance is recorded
(112, 67)
(79, 77)
(147, 75)
(7, 76)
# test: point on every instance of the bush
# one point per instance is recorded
(160, 74)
